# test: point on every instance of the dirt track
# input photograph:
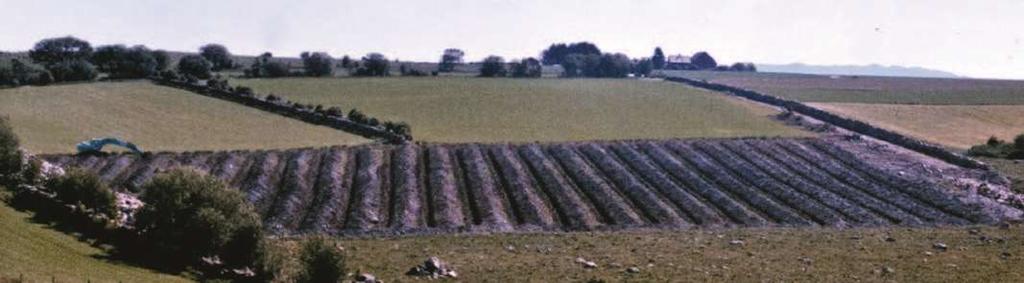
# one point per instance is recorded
(672, 184)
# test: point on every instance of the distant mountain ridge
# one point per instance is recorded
(859, 70)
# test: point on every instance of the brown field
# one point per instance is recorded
(955, 126)
(675, 184)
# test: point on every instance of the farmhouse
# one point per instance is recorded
(679, 62)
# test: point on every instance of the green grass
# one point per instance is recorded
(876, 90)
(53, 119)
(38, 253)
(766, 255)
(454, 109)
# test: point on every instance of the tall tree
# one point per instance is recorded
(218, 55)
(55, 50)
(703, 61)
(450, 58)
(658, 60)
(195, 65)
(317, 64)
(493, 66)
(556, 53)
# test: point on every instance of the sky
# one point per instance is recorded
(977, 38)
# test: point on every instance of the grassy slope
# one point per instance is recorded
(956, 126)
(55, 118)
(774, 255)
(40, 254)
(453, 109)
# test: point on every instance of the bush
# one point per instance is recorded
(195, 66)
(493, 66)
(321, 261)
(643, 67)
(73, 70)
(703, 61)
(83, 188)
(169, 75)
(17, 73)
(10, 157)
(189, 215)
(557, 53)
(334, 111)
(356, 116)
(317, 64)
(615, 65)
(244, 91)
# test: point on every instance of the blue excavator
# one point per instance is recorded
(95, 146)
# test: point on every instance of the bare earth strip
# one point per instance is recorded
(672, 184)
(956, 126)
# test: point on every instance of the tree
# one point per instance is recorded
(195, 66)
(556, 53)
(80, 187)
(10, 156)
(658, 60)
(581, 65)
(643, 67)
(615, 65)
(703, 61)
(61, 49)
(107, 57)
(16, 73)
(374, 65)
(218, 55)
(189, 215)
(527, 68)
(163, 59)
(346, 62)
(317, 64)
(493, 66)
(450, 59)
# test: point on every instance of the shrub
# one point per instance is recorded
(615, 65)
(334, 111)
(17, 72)
(189, 215)
(84, 188)
(493, 66)
(218, 56)
(72, 70)
(356, 116)
(244, 91)
(169, 75)
(196, 66)
(163, 59)
(408, 70)
(10, 157)
(321, 261)
(317, 64)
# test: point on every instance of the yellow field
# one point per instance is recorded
(956, 126)
(53, 119)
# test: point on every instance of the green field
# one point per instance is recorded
(53, 119)
(454, 109)
(875, 90)
(988, 254)
(38, 253)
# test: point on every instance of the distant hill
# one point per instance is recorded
(860, 70)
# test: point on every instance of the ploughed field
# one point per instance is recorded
(562, 186)
(461, 110)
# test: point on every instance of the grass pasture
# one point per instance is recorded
(987, 254)
(38, 253)
(875, 90)
(956, 126)
(53, 119)
(459, 109)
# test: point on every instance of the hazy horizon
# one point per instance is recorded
(974, 39)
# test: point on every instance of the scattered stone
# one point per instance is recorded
(433, 267)
(806, 260)
(890, 239)
(633, 269)
(974, 231)
(367, 278)
(888, 270)
(940, 246)
(736, 242)
(586, 263)
(928, 253)
(1005, 255)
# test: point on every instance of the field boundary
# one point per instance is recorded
(854, 125)
(289, 110)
